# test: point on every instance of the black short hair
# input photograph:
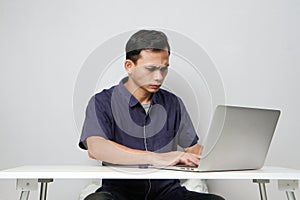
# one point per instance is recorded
(146, 39)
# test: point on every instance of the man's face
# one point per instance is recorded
(150, 70)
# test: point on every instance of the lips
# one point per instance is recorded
(154, 86)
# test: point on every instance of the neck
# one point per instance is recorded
(139, 93)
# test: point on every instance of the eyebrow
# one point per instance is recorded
(150, 65)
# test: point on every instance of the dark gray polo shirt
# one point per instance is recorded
(115, 114)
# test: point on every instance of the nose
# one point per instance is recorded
(158, 77)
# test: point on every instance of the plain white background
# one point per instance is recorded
(43, 44)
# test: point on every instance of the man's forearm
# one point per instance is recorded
(109, 151)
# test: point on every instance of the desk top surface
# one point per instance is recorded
(95, 172)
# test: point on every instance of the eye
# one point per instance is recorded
(151, 68)
(164, 69)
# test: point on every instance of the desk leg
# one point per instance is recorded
(26, 185)
(290, 195)
(44, 187)
(288, 186)
(24, 195)
(262, 187)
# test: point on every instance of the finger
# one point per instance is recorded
(194, 160)
(189, 162)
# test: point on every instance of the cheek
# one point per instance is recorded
(141, 77)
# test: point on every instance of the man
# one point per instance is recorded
(136, 122)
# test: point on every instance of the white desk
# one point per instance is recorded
(29, 176)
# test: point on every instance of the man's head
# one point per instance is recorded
(147, 59)
(146, 40)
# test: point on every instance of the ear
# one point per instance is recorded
(129, 66)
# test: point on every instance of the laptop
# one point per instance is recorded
(238, 139)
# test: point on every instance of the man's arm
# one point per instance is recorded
(109, 151)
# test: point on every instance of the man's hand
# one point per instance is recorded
(190, 157)
(174, 158)
(196, 149)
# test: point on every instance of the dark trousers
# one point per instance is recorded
(188, 195)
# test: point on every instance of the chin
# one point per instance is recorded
(152, 90)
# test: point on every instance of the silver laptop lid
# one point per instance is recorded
(238, 138)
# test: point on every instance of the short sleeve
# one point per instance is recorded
(187, 135)
(97, 121)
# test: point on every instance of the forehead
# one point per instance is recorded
(157, 56)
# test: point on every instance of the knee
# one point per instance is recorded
(99, 196)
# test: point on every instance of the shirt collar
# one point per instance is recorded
(130, 99)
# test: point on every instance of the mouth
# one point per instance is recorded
(154, 86)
